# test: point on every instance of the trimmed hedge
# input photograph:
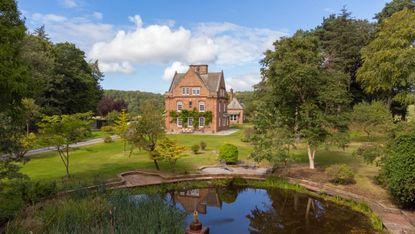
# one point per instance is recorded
(228, 153)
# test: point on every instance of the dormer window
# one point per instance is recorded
(185, 90)
(195, 91)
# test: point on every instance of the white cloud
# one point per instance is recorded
(154, 44)
(69, 3)
(52, 18)
(123, 67)
(218, 43)
(175, 67)
(83, 31)
(98, 15)
(243, 81)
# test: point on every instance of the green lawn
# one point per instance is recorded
(104, 161)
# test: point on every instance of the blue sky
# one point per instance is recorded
(141, 43)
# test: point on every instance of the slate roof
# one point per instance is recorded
(235, 104)
(211, 80)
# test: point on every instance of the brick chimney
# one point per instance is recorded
(231, 95)
(202, 69)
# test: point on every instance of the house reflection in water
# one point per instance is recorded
(197, 199)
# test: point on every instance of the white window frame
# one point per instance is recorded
(185, 91)
(179, 122)
(194, 89)
(200, 122)
(190, 104)
(204, 106)
(190, 122)
(179, 103)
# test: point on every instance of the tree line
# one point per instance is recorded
(314, 83)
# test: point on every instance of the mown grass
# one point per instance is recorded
(103, 161)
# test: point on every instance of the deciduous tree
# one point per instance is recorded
(148, 130)
(299, 95)
(393, 7)
(372, 117)
(31, 112)
(63, 130)
(388, 69)
(14, 75)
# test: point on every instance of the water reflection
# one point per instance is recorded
(241, 210)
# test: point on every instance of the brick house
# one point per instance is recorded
(235, 110)
(199, 90)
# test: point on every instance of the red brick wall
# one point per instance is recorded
(211, 103)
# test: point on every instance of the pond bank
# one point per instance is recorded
(394, 219)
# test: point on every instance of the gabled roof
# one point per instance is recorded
(235, 104)
(211, 80)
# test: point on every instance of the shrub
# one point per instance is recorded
(203, 145)
(195, 148)
(236, 126)
(108, 139)
(340, 174)
(108, 129)
(398, 169)
(369, 152)
(228, 153)
(248, 134)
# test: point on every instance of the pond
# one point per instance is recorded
(248, 210)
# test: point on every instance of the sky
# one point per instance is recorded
(141, 43)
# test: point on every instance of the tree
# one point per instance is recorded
(71, 73)
(148, 130)
(121, 127)
(393, 7)
(170, 151)
(247, 98)
(341, 38)
(300, 96)
(109, 104)
(388, 69)
(37, 53)
(372, 117)
(14, 75)
(63, 130)
(134, 99)
(398, 168)
(31, 111)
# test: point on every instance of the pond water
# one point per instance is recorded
(247, 210)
